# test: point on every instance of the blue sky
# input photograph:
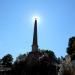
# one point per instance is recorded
(56, 26)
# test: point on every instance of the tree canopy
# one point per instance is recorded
(71, 48)
(7, 60)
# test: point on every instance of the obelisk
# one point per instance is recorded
(35, 40)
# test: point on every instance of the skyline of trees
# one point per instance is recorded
(38, 62)
(70, 51)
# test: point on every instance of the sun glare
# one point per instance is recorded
(36, 18)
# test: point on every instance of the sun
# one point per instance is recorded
(36, 18)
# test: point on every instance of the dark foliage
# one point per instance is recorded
(36, 63)
(71, 48)
(67, 73)
(7, 60)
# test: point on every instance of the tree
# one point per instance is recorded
(21, 57)
(71, 46)
(50, 55)
(7, 60)
(36, 63)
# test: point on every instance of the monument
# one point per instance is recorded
(35, 40)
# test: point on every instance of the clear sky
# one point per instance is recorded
(56, 26)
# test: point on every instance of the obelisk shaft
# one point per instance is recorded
(35, 40)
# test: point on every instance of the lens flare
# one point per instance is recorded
(36, 18)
